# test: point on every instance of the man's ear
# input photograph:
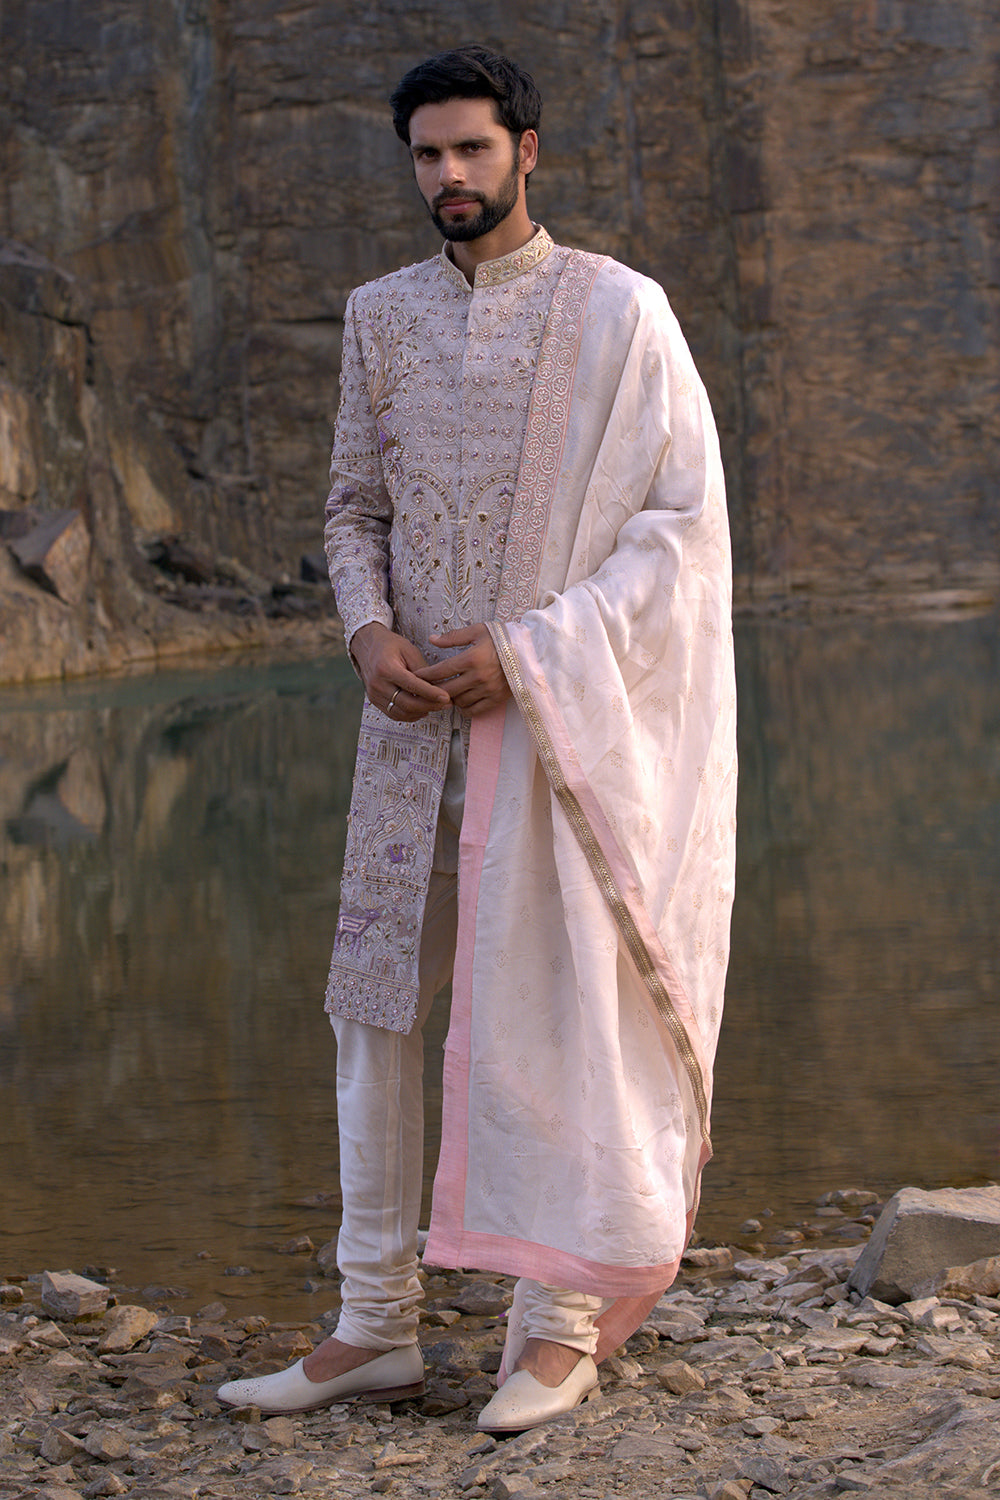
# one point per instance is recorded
(527, 151)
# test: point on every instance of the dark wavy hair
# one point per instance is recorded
(468, 73)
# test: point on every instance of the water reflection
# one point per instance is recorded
(169, 855)
(864, 1035)
(171, 849)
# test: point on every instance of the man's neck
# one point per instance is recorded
(515, 231)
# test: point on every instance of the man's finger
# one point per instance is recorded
(414, 685)
(443, 671)
(427, 691)
(464, 637)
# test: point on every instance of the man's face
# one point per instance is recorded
(468, 166)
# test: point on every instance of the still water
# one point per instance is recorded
(169, 857)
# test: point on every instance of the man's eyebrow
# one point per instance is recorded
(471, 140)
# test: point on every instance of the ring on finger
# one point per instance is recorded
(392, 700)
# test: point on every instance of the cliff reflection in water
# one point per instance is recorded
(170, 855)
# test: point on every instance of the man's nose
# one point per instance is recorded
(451, 169)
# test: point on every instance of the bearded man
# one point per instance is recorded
(527, 536)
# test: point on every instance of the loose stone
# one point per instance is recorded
(299, 1244)
(482, 1299)
(708, 1257)
(680, 1378)
(124, 1327)
(60, 1447)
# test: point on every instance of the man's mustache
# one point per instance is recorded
(443, 198)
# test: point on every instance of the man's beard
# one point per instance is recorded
(492, 211)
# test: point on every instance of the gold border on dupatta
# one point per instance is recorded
(617, 905)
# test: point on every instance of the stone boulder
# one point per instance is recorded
(920, 1234)
(980, 1279)
(124, 1327)
(66, 1295)
(55, 552)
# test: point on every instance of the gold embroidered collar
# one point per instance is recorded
(495, 272)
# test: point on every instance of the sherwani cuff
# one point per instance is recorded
(382, 616)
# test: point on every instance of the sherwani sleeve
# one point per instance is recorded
(359, 508)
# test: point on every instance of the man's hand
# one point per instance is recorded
(473, 678)
(389, 665)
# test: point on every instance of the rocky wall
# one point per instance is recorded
(867, 240)
(815, 186)
(90, 489)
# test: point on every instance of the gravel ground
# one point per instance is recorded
(753, 1377)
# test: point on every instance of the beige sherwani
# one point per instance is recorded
(537, 451)
(435, 386)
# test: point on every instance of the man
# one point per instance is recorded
(527, 536)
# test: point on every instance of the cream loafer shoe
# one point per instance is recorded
(388, 1377)
(523, 1402)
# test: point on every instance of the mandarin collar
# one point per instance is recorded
(506, 268)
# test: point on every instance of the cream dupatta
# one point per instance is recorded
(596, 875)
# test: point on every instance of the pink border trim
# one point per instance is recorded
(513, 1257)
(626, 1314)
(616, 1323)
(448, 1211)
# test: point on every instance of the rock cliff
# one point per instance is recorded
(815, 187)
(92, 493)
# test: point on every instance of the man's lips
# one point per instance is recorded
(457, 204)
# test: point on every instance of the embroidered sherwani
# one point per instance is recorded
(537, 451)
(436, 381)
